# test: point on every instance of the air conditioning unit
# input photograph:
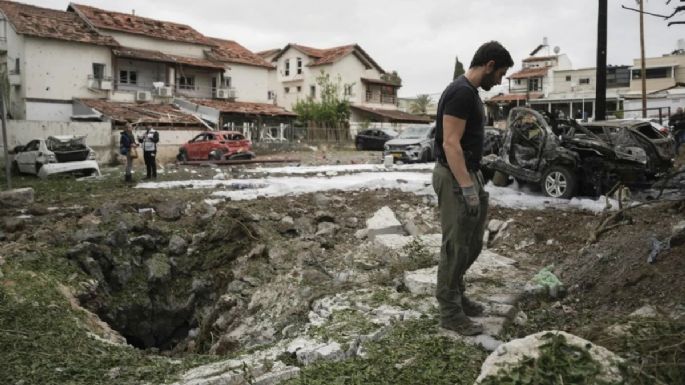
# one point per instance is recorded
(165, 92)
(143, 96)
(105, 84)
(231, 93)
(221, 93)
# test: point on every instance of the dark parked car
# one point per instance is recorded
(658, 146)
(414, 144)
(216, 145)
(373, 139)
(565, 158)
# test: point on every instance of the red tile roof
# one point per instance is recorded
(332, 55)
(529, 73)
(246, 108)
(539, 58)
(515, 97)
(229, 51)
(393, 116)
(116, 21)
(134, 53)
(269, 52)
(51, 23)
(141, 113)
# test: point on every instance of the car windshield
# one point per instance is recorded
(415, 132)
(390, 132)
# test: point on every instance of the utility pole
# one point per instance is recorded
(643, 71)
(601, 88)
(8, 170)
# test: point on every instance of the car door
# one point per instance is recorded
(194, 146)
(26, 160)
(362, 139)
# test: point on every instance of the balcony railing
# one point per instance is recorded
(380, 98)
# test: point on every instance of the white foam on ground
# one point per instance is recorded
(415, 182)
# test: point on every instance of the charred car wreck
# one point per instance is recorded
(566, 159)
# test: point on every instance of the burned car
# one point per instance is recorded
(414, 144)
(55, 155)
(216, 145)
(658, 146)
(565, 158)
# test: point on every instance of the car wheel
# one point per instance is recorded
(559, 182)
(182, 156)
(216, 155)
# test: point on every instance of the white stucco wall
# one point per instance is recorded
(15, 49)
(100, 137)
(49, 111)
(561, 85)
(153, 44)
(58, 70)
(250, 82)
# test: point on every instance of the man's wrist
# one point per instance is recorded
(469, 190)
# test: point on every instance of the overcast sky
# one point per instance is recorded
(418, 39)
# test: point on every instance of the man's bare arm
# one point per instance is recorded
(452, 131)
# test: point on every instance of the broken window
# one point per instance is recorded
(348, 89)
(312, 91)
(287, 67)
(299, 65)
(128, 77)
(299, 89)
(568, 78)
(654, 73)
(270, 95)
(98, 71)
(186, 82)
(286, 89)
(584, 81)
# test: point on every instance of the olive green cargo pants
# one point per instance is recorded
(462, 240)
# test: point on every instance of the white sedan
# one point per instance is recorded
(55, 155)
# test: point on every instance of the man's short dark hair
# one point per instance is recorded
(492, 50)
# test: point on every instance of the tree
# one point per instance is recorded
(458, 68)
(420, 104)
(332, 112)
(392, 78)
(677, 9)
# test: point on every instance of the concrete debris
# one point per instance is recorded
(382, 222)
(513, 353)
(20, 197)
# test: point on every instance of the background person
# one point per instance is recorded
(149, 142)
(127, 144)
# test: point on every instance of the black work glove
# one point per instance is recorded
(472, 200)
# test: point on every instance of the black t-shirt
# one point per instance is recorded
(461, 100)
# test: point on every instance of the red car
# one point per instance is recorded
(216, 145)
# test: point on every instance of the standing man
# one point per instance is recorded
(127, 144)
(149, 141)
(457, 181)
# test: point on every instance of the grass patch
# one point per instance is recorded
(342, 325)
(412, 353)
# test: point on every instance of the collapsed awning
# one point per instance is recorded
(391, 116)
(142, 54)
(137, 113)
(506, 98)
